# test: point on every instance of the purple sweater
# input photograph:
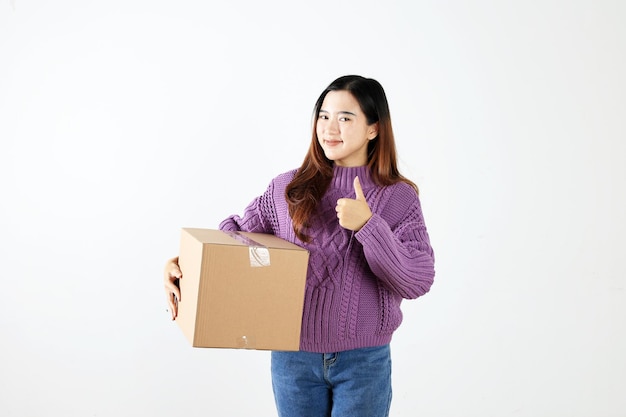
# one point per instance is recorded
(355, 280)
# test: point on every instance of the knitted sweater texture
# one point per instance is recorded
(356, 281)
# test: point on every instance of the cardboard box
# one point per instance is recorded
(241, 290)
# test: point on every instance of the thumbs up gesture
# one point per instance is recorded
(353, 213)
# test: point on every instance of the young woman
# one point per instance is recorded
(362, 223)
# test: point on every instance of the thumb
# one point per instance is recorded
(358, 191)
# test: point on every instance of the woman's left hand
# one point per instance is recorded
(353, 213)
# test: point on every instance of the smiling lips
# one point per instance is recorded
(331, 142)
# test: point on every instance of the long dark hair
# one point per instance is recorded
(314, 175)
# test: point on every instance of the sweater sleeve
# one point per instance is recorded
(400, 255)
(258, 217)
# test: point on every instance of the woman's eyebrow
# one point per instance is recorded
(339, 112)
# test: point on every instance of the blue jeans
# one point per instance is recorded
(353, 383)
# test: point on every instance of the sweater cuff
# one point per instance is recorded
(228, 225)
(369, 228)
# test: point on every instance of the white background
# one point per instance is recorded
(123, 121)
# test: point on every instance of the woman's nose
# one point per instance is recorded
(332, 126)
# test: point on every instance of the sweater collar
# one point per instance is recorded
(343, 177)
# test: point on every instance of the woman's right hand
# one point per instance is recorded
(172, 275)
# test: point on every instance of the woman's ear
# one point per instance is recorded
(372, 131)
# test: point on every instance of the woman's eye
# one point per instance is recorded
(323, 117)
(344, 119)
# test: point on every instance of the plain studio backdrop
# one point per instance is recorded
(123, 121)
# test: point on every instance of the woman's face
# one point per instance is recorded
(342, 129)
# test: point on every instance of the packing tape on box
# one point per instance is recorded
(246, 342)
(259, 254)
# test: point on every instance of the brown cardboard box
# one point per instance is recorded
(241, 290)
